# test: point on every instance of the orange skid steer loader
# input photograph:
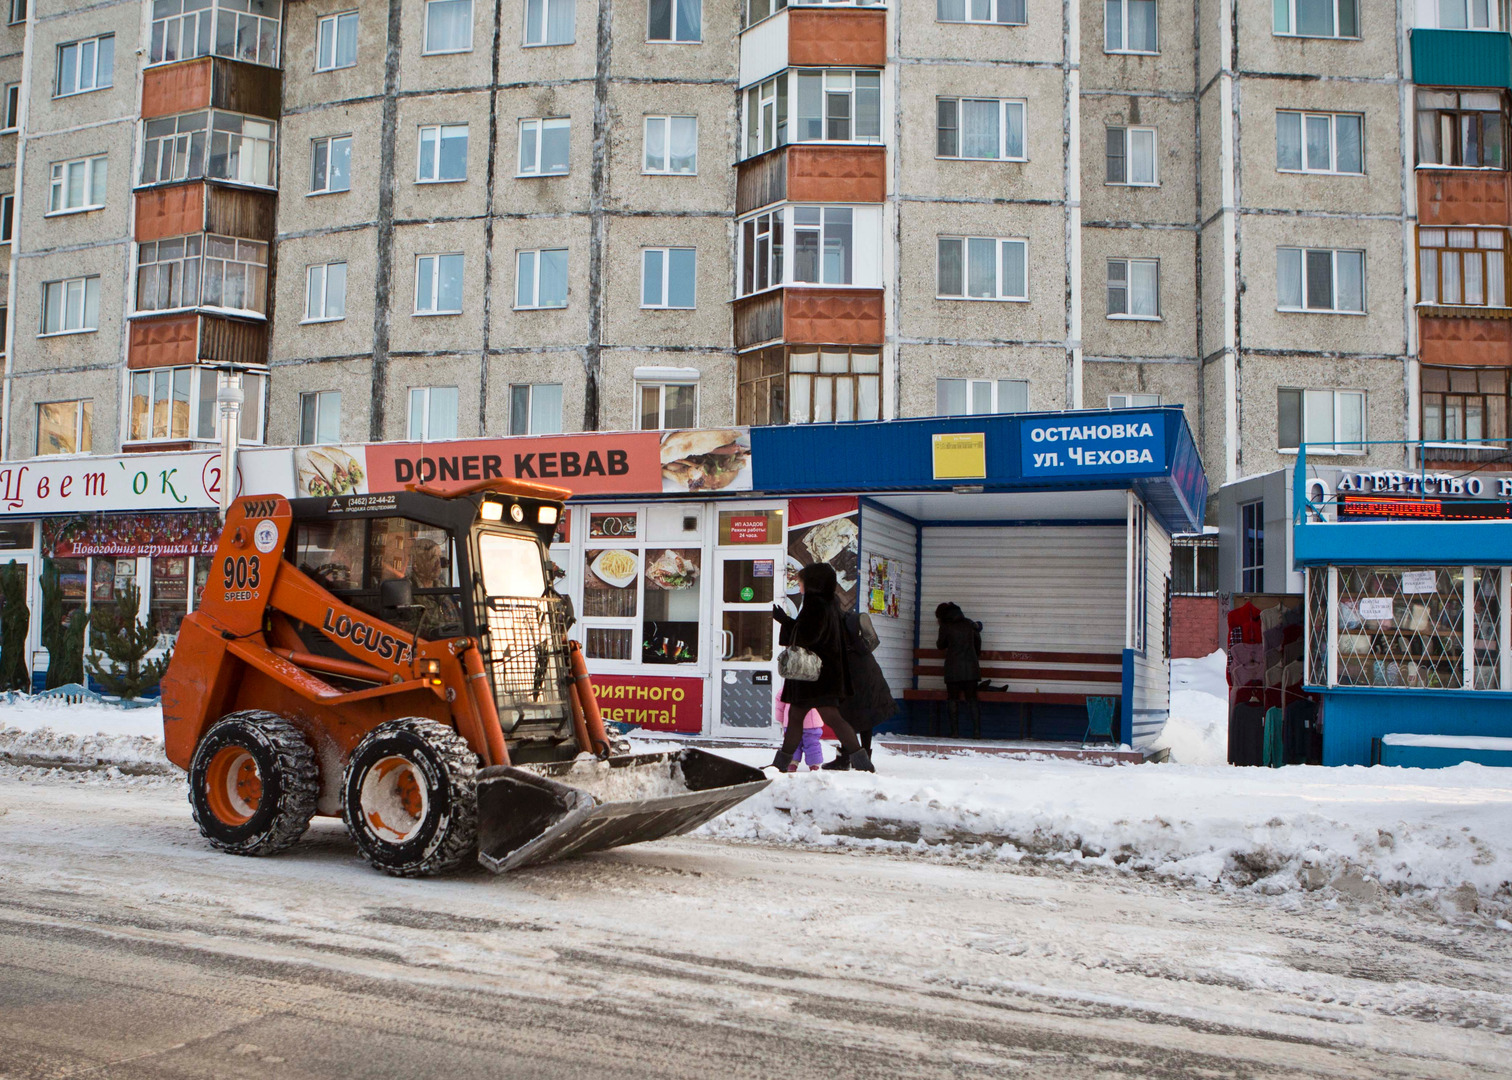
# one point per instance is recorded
(402, 661)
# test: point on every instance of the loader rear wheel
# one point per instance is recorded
(253, 782)
(410, 798)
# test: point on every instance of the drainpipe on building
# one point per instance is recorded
(229, 397)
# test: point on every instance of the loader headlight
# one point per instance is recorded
(431, 670)
(547, 515)
(491, 511)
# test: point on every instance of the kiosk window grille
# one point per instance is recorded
(1401, 626)
(1317, 626)
(1487, 626)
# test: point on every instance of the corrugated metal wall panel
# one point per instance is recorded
(886, 537)
(1152, 671)
(1033, 588)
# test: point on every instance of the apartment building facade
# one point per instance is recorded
(447, 218)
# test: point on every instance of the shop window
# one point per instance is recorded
(1400, 626)
(543, 146)
(325, 292)
(443, 154)
(170, 595)
(541, 279)
(320, 418)
(432, 412)
(1133, 288)
(1465, 404)
(245, 30)
(674, 20)
(180, 403)
(980, 397)
(801, 385)
(77, 185)
(1462, 130)
(1194, 566)
(1320, 279)
(330, 164)
(1315, 18)
(438, 284)
(71, 306)
(671, 144)
(550, 22)
(448, 26)
(65, 427)
(85, 65)
(336, 41)
(1130, 156)
(669, 277)
(1320, 142)
(222, 146)
(1252, 547)
(1003, 12)
(17, 535)
(982, 268)
(209, 271)
(668, 405)
(1330, 421)
(535, 409)
(1133, 401)
(1130, 27)
(1462, 266)
(984, 129)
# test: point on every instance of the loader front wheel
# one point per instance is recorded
(253, 782)
(410, 798)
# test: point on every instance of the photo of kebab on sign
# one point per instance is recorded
(706, 459)
(835, 541)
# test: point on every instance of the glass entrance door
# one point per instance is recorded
(745, 671)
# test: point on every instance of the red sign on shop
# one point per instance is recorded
(652, 703)
(750, 529)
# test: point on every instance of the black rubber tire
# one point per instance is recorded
(288, 772)
(444, 833)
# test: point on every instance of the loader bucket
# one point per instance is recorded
(538, 813)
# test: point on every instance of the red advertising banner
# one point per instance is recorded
(653, 703)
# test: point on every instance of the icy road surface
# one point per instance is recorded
(128, 948)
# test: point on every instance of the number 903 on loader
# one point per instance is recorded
(401, 661)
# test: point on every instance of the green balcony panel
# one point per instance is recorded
(1461, 58)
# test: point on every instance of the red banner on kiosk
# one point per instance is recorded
(655, 704)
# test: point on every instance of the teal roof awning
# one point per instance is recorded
(1461, 58)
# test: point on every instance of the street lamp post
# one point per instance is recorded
(229, 397)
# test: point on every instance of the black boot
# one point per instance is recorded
(976, 719)
(860, 761)
(783, 759)
(954, 709)
(842, 762)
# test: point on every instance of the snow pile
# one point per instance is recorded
(50, 732)
(1368, 831)
(1197, 731)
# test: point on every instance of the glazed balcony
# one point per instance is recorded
(816, 37)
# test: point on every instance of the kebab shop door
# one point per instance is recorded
(748, 580)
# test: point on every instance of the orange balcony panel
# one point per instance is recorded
(170, 211)
(176, 88)
(832, 316)
(1465, 342)
(1463, 197)
(172, 339)
(837, 37)
(837, 173)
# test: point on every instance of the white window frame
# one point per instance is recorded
(543, 9)
(1006, 107)
(992, 387)
(1128, 287)
(668, 122)
(206, 266)
(318, 280)
(325, 402)
(1001, 245)
(79, 405)
(420, 409)
(1307, 166)
(434, 258)
(442, 133)
(1489, 18)
(672, 13)
(7, 232)
(12, 108)
(1309, 398)
(199, 387)
(96, 176)
(666, 278)
(766, 119)
(330, 142)
(1440, 247)
(661, 386)
(984, 12)
(533, 135)
(1127, 136)
(1333, 284)
(83, 287)
(525, 425)
(836, 83)
(334, 25)
(97, 70)
(1123, 29)
(1284, 21)
(1133, 401)
(533, 257)
(427, 49)
(220, 28)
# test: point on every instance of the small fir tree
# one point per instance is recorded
(125, 643)
(62, 638)
(14, 621)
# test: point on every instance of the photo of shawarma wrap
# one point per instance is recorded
(328, 470)
(705, 459)
(835, 542)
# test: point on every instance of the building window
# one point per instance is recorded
(982, 268)
(180, 403)
(671, 145)
(1133, 401)
(443, 154)
(823, 245)
(168, 273)
(71, 306)
(1129, 26)
(1465, 404)
(668, 276)
(1007, 12)
(7, 224)
(1458, 15)
(330, 164)
(209, 271)
(438, 284)
(1461, 130)
(320, 417)
(325, 292)
(1462, 266)
(1328, 421)
(980, 397)
(1133, 288)
(12, 106)
(762, 246)
(1320, 279)
(665, 406)
(245, 30)
(65, 427)
(839, 106)
(1320, 142)
(1131, 156)
(541, 279)
(766, 116)
(982, 129)
(805, 384)
(1316, 18)
(336, 42)
(812, 245)
(550, 22)
(77, 185)
(85, 65)
(675, 20)
(543, 147)
(535, 409)
(223, 146)
(448, 26)
(1252, 547)
(1194, 567)
(17, 11)
(432, 412)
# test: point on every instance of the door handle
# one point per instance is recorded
(727, 644)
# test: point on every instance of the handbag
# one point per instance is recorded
(797, 664)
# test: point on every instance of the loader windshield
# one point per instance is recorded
(511, 565)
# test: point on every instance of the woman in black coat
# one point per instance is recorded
(871, 702)
(819, 629)
(961, 640)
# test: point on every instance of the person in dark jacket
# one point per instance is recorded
(871, 702)
(820, 629)
(961, 640)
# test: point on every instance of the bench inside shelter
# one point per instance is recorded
(1046, 692)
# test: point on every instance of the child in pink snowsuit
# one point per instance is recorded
(812, 749)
